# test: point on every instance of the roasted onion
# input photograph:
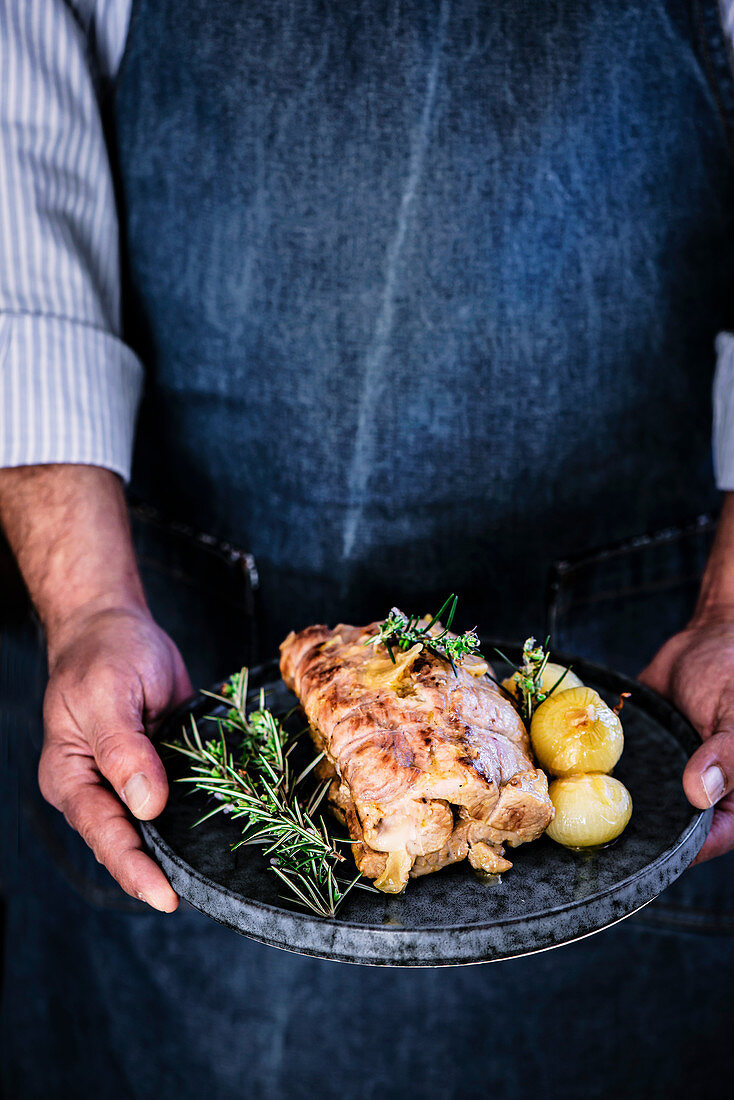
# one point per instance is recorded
(590, 810)
(575, 731)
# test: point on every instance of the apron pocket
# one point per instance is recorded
(201, 590)
(619, 604)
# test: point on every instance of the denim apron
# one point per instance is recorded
(426, 293)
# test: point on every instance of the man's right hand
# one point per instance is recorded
(113, 672)
(113, 675)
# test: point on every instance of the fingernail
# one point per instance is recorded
(714, 783)
(136, 793)
(153, 902)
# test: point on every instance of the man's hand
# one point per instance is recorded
(695, 670)
(113, 674)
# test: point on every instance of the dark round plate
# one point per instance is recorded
(550, 897)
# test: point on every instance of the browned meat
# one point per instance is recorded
(429, 767)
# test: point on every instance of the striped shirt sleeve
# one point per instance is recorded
(69, 386)
(724, 412)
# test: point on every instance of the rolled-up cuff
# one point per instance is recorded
(69, 392)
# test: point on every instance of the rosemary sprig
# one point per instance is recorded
(403, 631)
(256, 786)
(528, 676)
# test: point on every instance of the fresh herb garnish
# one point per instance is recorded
(528, 677)
(402, 632)
(255, 785)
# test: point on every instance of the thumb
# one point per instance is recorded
(709, 774)
(125, 756)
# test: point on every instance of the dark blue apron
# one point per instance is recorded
(426, 295)
(426, 292)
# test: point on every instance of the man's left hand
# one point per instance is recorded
(695, 670)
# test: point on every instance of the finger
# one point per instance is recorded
(99, 818)
(721, 836)
(125, 754)
(128, 760)
(709, 774)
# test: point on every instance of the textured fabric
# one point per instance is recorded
(152, 1008)
(69, 388)
(69, 393)
(724, 412)
(723, 392)
(727, 18)
(427, 294)
(103, 997)
(62, 387)
(97, 991)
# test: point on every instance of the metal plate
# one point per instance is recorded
(551, 896)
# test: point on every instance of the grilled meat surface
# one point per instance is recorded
(428, 767)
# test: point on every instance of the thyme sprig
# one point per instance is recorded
(401, 631)
(528, 676)
(256, 786)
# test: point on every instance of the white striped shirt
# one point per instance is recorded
(69, 386)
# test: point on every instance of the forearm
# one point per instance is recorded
(68, 527)
(716, 598)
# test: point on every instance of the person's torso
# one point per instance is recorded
(426, 291)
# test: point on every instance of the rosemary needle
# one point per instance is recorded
(256, 787)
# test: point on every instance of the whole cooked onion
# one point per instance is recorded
(590, 810)
(575, 731)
